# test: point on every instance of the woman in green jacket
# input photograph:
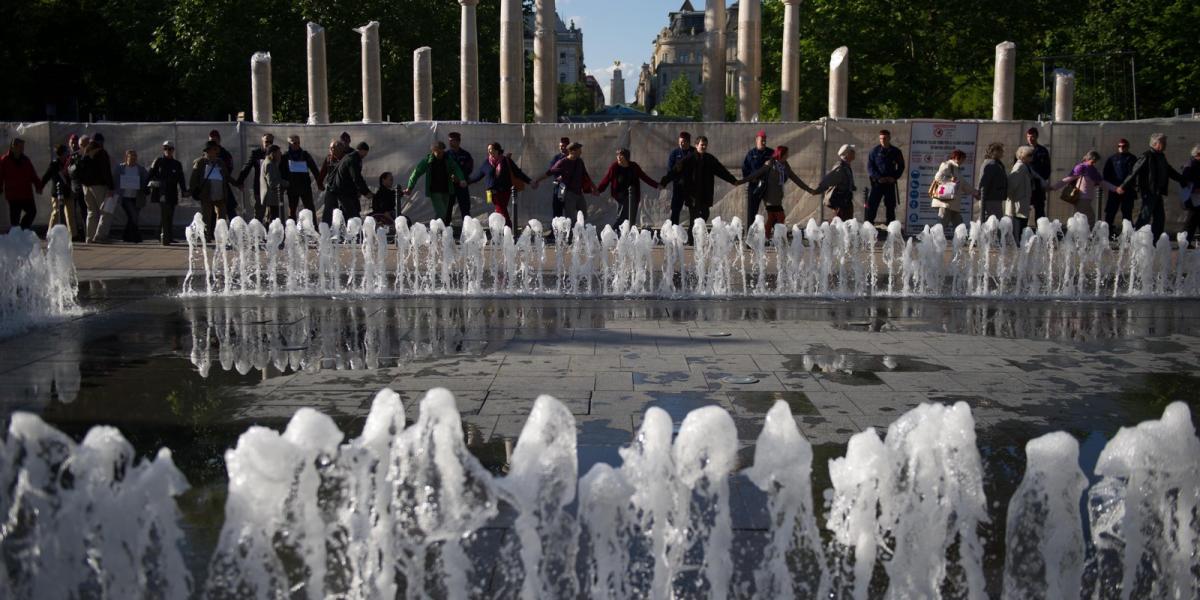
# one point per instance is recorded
(441, 173)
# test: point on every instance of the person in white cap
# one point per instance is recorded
(840, 179)
(167, 184)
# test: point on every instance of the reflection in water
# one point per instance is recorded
(35, 385)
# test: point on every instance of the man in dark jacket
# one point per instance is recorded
(678, 191)
(300, 167)
(885, 167)
(231, 203)
(346, 184)
(254, 165)
(209, 183)
(755, 159)
(1151, 173)
(1116, 169)
(166, 186)
(94, 173)
(462, 195)
(698, 172)
(62, 205)
(18, 179)
(1041, 167)
(77, 143)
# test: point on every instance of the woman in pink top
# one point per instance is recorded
(1087, 178)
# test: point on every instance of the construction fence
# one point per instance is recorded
(397, 147)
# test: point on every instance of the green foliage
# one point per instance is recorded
(731, 109)
(680, 100)
(575, 99)
(189, 59)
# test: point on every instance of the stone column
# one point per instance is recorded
(789, 91)
(545, 63)
(371, 78)
(1005, 81)
(714, 61)
(260, 87)
(1064, 95)
(749, 53)
(616, 88)
(468, 82)
(839, 82)
(512, 62)
(423, 84)
(318, 86)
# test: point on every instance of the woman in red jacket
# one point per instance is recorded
(18, 178)
(626, 178)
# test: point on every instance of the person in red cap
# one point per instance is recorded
(773, 176)
(18, 178)
(1116, 169)
(678, 191)
(755, 159)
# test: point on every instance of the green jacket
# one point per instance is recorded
(453, 172)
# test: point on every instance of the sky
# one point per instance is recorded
(621, 30)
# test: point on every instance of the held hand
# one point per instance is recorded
(1120, 190)
(462, 184)
(534, 185)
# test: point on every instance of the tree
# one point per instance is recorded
(680, 100)
(575, 99)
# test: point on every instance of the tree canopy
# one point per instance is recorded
(680, 100)
(189, 59)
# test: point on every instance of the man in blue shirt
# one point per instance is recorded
(885, 167)
(462, 195)
(678, 190)
(755, 159)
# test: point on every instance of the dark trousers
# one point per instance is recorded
(132, 233)
(462, 197)
(166, 222)
(629, 209)
(347, 202)
(885, 192)
(1037, 202)
(15, 209)
(753, 202)
(1115, 202)
(80, 212)
(696, 212)
(1152, 212)
(677, 201)
(1193, 224)
(556, 203)
(297, 194)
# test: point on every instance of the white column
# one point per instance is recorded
(468, 82)
(423, 84)
(260, 87)
(545, 63)
(512, 62)
(789, 91)
(839, 82)
(749, 53)
(1005, 81)
(371, 78)
(318, 86)
(714, 61)
(1064, 95)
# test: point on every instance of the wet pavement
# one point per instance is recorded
(194, 373)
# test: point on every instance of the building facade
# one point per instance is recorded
(679, 52)
(569, 43)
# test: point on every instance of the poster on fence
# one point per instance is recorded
(932, 142)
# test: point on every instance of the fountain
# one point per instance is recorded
(37, 284)
(399, 510)
(830, 259)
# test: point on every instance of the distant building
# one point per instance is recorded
(569, 42)
(679, 51)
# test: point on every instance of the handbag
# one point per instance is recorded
(109, 206)
(1071, 194)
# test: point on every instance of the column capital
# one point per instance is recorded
(470, 3)
(791, 2)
